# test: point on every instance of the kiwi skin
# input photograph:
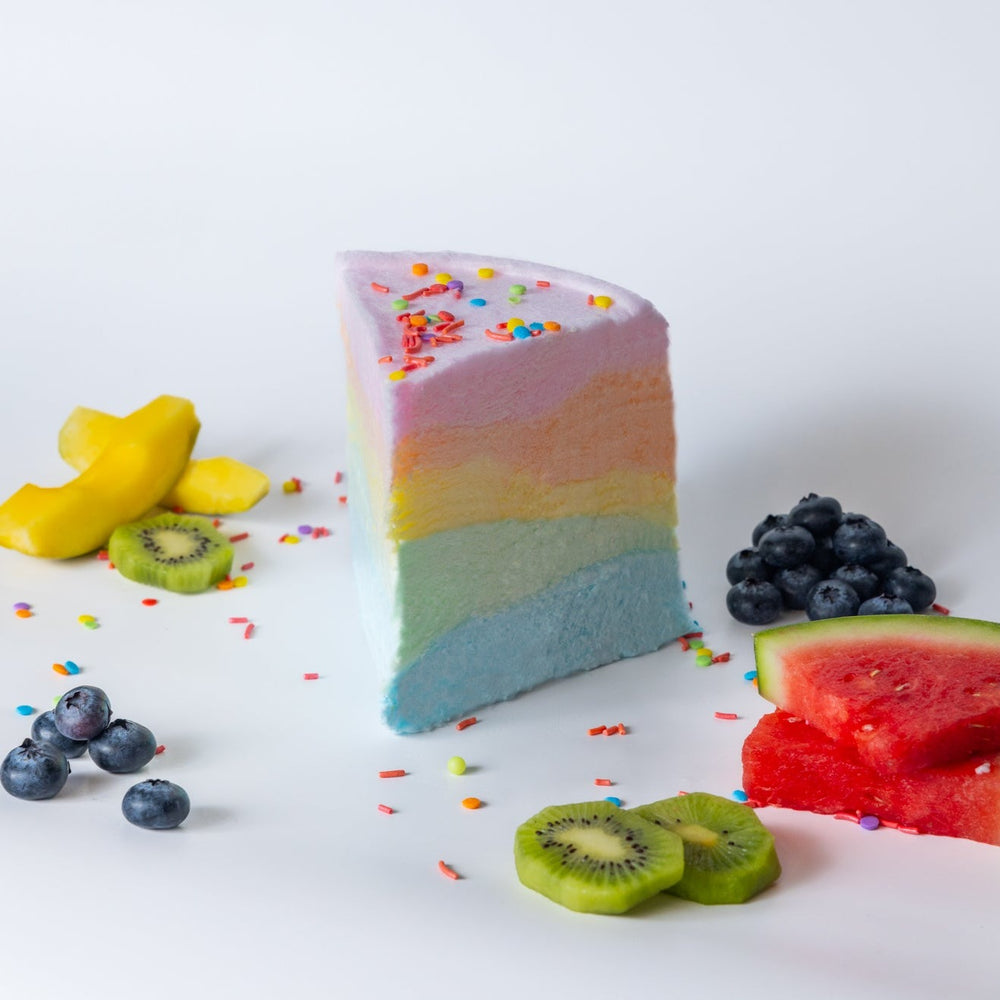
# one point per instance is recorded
(177, 552)
(594, 857)
(729, 855)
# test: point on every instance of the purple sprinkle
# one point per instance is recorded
(305, 529)
(455, 283)
(869, 823)
(22, 606)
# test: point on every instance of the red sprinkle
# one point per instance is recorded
(379, 288)
(726, 715)
(445, 870)
(602, 781)
(721, 658)
(465, 723)
(246, 566)
(338, 477)
(848, 816)
(685, 645)
(542, 284)
(240, 536)
(385, 809)
(238, 621)
(941, 609)
(248, 631)
(160, 748)
(103, 554)
(149, 601)
(310, 677)
(621, 728)
(399, 773)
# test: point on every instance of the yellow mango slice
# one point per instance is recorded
(206, 486)
(140, 462)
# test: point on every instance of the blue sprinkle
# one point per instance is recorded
(750, 675)
(71, 667)
(521, 332)
(536, 326)
(477, 302)
(740, 795)
(613, 799)
(25, 710)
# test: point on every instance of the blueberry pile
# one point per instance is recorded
(828, 563)
(81, 723)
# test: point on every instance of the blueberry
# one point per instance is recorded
(881, 604)
(123, 747)
(43, 729)
(914, 587)
(754, 602)
(795, 582)
(82, 712)
(787, 545)
(156, 804)
(862, 580)
(859, 539)
(747, 562)
(769, 522)
(819, 515)
(832, 599)
(34, 770)
(823, 558)
(891, 559)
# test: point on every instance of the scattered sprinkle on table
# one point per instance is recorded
(726, 715)
(160, 748)
(397, 773)
(471, 802)
(25, 710)
(447, 871)
(465, 723)
(456, 765)
(613, 799)
(149, 601)
(869, 822)
(71, 667)
(740, 795)
(60, 668)
(249, 630)
(602, 781)
(240, 536)
(383, 808)
(310, 677)
(88, 621)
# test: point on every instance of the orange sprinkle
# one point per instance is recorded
(685, 645)
(499, 336)
(379, 288)
(225, 585)
(596, 731)
(23, 613)
(445, 315)
(471, 802)
(590, 300)
(397, 773)
(552, 326)
(445, 870)
(419, 269)
(60, 668)
(415, 295)
(385, 809)
(465, 723)
(621, 728)
(602, 781)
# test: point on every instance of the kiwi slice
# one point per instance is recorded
(595, 857)
(729, 854)
(175, 551)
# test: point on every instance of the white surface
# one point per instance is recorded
(807, 191)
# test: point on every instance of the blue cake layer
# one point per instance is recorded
(621, 607)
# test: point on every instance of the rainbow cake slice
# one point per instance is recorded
(511, 476)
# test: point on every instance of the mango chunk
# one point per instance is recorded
(206, 486)
(143, 457)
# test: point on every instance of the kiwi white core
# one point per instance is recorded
(173, 543)
(597, 843)
(695, 833)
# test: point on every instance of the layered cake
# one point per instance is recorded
(511, 474)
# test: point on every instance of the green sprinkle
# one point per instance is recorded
(701, 660)
(517, 289)
(400, 304)
(91, 625)
(696, 643)
(514, 299)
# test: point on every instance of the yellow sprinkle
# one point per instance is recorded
(396, 376)
(705, 651)
(551, 325)
(514, 322)
(240, 581)
(419, 269)
(291, 539)
(485, 272)
(289, 486)
(85, 619)
(603, 301)
(442, 278)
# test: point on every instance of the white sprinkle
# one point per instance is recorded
(983, 768)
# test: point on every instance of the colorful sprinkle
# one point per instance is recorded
(160, 748)
(614, 800)
(552, 325)
(456, 765)
(382, 808)
(60, 668)
(597, 730)
(516, 290)
(419, 269)
(310, 677)
(379, 288)
(22, 606)
(23, 613)
(446, 871)
(238, 621)
(25, 710)
(726, 715)
(521, 332)
(603, 301)
(397, 773)
(471, 802)
(465, 723)
(602, 781)
(246, 566)
(442, 279)
(485, 272)
(750, 675)
(477, 302)
(740, 795)
(249, 630)
(149, 602)
(71, 667)
(869, 822)
(542, 284)
(399, 303)
(397, 376)
(240, 537)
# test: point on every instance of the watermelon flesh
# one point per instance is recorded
(788, 762)
(906, 691)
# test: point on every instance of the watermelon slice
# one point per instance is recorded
(907, 691)
(788, 762)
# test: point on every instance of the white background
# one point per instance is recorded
(807, 191)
